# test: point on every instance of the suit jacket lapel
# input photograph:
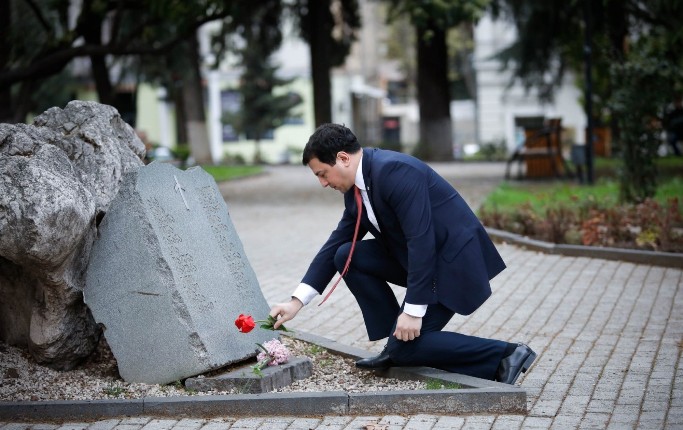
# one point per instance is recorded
(368, 155)
(367, 168)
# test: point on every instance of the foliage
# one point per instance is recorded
(338, 26)
(636, 49)
(641, 85)
(592, 216)
(261, 109)
(114, 390)
(401, 43)
(314, 349)
(329, 27)
(437, 384)
(490, 151)
(43, 38)
(436, 13)
(432, 19)
(548, 38)
(225, 173)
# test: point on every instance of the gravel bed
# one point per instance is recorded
(22, 379)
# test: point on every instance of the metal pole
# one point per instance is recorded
(587, 51)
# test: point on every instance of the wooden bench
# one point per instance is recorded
(540, 155)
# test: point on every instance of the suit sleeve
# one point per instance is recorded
(322, 268)
(407, 193)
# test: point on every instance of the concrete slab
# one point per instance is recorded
(245, 381)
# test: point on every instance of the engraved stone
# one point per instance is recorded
(167, 282)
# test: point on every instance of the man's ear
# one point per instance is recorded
(344, 157)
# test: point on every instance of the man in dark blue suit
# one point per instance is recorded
(426, 239)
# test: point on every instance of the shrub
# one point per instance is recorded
(647, 225)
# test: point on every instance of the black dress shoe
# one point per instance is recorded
(515, 364)
(378, 362)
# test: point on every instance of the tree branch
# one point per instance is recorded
(116, 25)
(50, 63)
(39, 15)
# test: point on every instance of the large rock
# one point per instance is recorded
(168, 276)
(56, 176)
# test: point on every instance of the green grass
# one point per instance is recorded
(667, 167)
(225, 173)
(114, 390)
(315, 350)
(437, 384)
(509, 196)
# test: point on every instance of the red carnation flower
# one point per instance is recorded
(245, 323)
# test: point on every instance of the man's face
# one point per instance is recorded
(340, 176)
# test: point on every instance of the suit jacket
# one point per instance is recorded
(426, 225)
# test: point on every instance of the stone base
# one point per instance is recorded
(244, 381)
(478, 396)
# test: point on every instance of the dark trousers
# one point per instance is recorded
(371, 268)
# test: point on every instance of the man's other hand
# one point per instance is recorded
(407, 327)
(284, 312)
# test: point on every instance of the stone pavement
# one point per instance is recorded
(609, 334)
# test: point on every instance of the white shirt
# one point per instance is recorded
(305, 293)
(360, 183)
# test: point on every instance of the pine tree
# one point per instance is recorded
(262, 109)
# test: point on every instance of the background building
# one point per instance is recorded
(362, 98)
(500, 108)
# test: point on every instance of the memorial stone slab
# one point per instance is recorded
(168, 276)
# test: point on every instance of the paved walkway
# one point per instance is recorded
(609, 334)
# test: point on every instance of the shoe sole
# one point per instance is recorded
(525, 366)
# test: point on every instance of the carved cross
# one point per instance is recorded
(178, 188)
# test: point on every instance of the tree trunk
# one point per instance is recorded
(179, 102)
(433, 95)
(5, 92)
(258, 158)
(319, 32)
(193, 98)
(92, 33)
(100, 74)
(23, 102)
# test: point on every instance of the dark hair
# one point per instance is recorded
(327, 141)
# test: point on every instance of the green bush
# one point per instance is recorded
(588, 215)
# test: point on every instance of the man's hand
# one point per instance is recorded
(284, 312)
(407, 327)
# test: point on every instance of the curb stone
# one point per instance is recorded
(438, 402)
(655, 258)
(477, 396)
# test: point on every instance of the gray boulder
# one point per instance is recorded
(56, 176)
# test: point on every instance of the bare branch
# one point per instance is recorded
(39, 15)
(52, 62)
(117, 22)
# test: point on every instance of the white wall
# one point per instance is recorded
(498, 105)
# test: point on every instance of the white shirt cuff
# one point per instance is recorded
(415, 310)
(305, 293)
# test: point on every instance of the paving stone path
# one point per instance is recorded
(609, 334)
